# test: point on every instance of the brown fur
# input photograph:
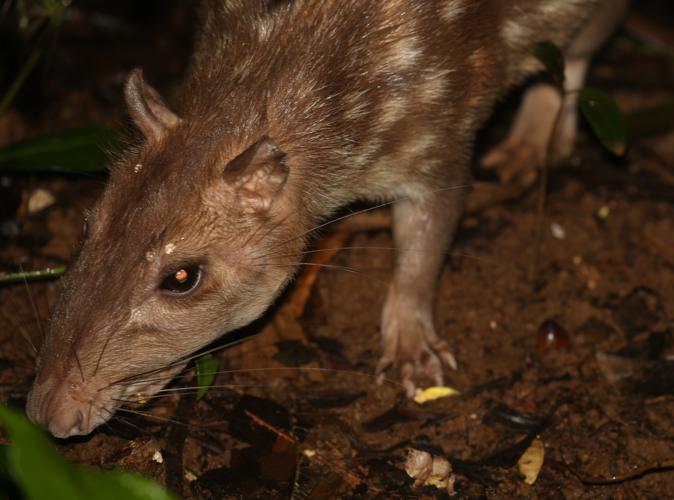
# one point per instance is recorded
(362, 99)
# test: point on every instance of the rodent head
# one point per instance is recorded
(177, 251)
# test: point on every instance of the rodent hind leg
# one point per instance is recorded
(525, 147)
(528, 142)
(423, 230)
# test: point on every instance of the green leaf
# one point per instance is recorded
(42, 474)
(78, 150)
(606, 119)
(552, 58)
(207, 368)
(50, 272)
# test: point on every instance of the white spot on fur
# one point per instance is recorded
(418, 146)
(560, 7)
(452, 10)
(514, 33)
(264, 30)
(434, 85)
(548, 8)
(137, 168)
(412, 153)
(403, 54)
(169, 248)
(366, 153)
(392, 111)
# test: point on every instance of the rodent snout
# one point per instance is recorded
(61, 412)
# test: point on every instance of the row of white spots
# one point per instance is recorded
(169, 248)
(412, 153)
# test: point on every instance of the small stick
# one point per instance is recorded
(635, 473)
(50, 272)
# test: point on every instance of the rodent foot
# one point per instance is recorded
(422, 358)
(515, 162)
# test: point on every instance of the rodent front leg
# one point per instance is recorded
(423, 230)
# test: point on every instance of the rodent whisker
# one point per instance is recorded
(126, 421)
(146, 414)
(77, 360)
(266, 233)
(186, 359)
(141, 399)
(362, 211)
(100, 356)
(33, 306)
(394, 249)
(314, 369)
(284, 368)
(334, 267)
(314, 264)
(193, 389)
(22, 331)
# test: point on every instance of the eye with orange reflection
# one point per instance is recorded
(181, 280)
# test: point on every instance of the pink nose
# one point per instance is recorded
(67, 423)
(58, 412)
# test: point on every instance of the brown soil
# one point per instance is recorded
(300, 415)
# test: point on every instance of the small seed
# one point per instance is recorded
(551, 336)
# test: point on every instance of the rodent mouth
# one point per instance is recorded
(77, 408)
(137, 392)
(92, 412)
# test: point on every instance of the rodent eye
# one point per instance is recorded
(181, 280)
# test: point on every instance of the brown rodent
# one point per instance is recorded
(290, 110)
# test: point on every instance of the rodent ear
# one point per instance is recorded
(258, 175)
(146, 107)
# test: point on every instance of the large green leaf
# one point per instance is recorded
(552, 59)
(207, 369)
(79, 150)
(606, 119)
(42, 474)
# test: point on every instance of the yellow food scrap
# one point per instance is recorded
(531, 461)
(432, 393)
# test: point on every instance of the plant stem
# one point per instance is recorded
(543, 194)
(50, 272)
(18, 82)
